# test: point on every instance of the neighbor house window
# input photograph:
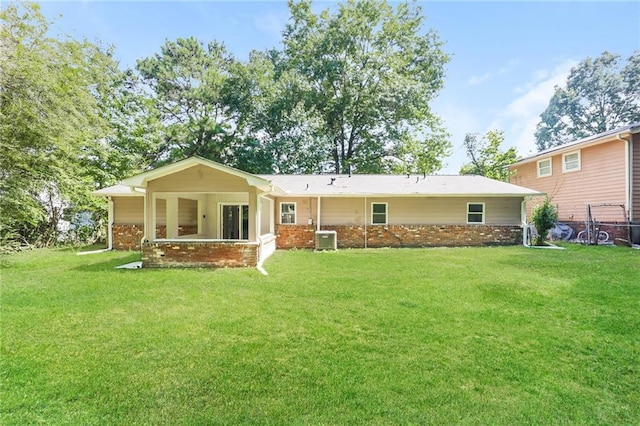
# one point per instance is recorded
(379, 213)
(475, 212)
(544, 167)
(288, 213)
(571, 161)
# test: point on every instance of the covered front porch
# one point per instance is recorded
(215, 229)
(199, 213)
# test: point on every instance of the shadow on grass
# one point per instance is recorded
(107, 265)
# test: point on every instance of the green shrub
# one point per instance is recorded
(544, 217)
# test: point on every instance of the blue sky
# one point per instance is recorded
(506, 56)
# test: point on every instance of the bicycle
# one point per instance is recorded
(583, 237)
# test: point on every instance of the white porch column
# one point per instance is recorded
(254, 214)
(202, 208)
(172, 217)
(150, 215)
(110, 224)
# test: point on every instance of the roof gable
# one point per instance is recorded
(143, 179)
(605, 137)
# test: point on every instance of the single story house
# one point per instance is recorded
(601, 172)
(197, 212)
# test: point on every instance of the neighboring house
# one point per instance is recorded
(602, 171)
(197, 212)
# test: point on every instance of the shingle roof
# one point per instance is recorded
(119, 190)
(395, 185)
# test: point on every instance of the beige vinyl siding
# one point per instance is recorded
(306, 208)
(128, 210)
(161, 211)
(344, 211)
(498, 211)
(601, 179)
(199, 179)
(187, 211)
(405, 210)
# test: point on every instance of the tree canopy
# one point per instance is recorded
(189, 83)
(349, 89)
(366, 74)
(486, 157)
(601, 94)
(57, 119)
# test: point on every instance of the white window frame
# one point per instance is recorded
(483, 213)
(386, 214)
(550, 167)
(564, 162)
(295, 213)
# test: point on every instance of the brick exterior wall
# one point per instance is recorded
(199, 254)
(303, 236)
(127, 237)
(617, 231)
(161, 230)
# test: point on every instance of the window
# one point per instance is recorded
(475, 212)
(288, 213)
(544, 167)
(379, 213)
(571, 162)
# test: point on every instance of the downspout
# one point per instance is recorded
(318, 216)
(627, 172)
(525, 226)
(144, 212)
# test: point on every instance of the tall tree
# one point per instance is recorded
(279, 134)
(189, 81)
(600, 95)
(366, 74)
(487, 159)
(53, 128)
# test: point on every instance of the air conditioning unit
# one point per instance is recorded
(326, 240)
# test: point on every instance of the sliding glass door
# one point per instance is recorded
(234, 221)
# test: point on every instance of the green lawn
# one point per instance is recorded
(402, 336)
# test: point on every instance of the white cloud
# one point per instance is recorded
(521, 116)
(272, 23)
(477, 80)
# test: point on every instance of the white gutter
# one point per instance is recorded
(144, 222)
(109, 231)
(523, 219)
(628, 172)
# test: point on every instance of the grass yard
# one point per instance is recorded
(403, 336)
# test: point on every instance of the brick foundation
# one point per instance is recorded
(199, 254)
(127, 237)
(617, 230)
(303, 236)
